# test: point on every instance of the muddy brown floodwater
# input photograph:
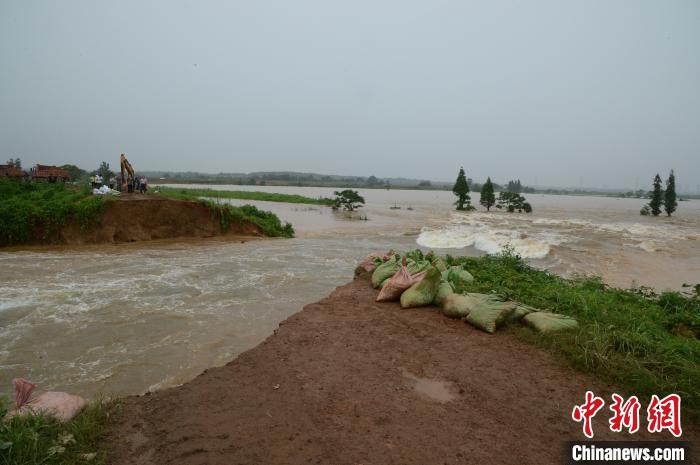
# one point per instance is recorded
(129, 318)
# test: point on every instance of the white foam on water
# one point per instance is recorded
(489, 239)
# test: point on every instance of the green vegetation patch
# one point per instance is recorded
(643, 342)
(189, 194)
(30, 211)
(268, 222)
(37, 439)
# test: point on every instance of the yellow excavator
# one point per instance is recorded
(130, 174)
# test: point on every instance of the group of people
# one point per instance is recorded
(140, 184)
(133, 184)
(97, 181)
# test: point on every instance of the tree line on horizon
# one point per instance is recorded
(508, 199)
(662, 198)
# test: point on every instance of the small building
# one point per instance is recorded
(9, 171)
(49, 173)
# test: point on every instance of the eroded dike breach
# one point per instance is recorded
(351, 381)
(147, 217)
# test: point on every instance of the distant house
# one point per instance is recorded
(9, 171)
(49, 173)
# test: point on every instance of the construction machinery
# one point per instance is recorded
(130, 174)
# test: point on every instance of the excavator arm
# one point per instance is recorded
(126, 166)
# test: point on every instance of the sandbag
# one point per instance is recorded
(520, 311)
(385, 271)
(459, 277)
(545, 322)
(402, 280)
(444, 289)
(489, 313)
(423, 292)
(59, 405)
(460, 305)
(417, 266)
(371, 261)
(457, 305)
(440, 264)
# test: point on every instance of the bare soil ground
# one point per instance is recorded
(351, 381)
(143, 217)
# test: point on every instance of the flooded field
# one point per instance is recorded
(129, 318)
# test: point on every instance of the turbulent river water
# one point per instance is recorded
(124, 319)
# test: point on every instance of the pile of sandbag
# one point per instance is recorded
(418, 280)
(59, 405)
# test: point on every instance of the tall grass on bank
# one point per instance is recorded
(37, 439)
(268, 222)
(643, 342)
(31, 211)
(184, 193)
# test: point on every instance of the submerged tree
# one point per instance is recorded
(488, 198)
(670, 201)
(512, 201)
(348, 199)
(461, 190)
(656, 197)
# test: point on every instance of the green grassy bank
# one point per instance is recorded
(36, 439)
(182, 193)
(645, 343)
(35, 211)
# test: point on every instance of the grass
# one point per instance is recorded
(629, 338)
(37, 439)
(268, 222)
(242, 195)
(32, 211)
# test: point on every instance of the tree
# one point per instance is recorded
(75, 172)
(104, 170)
(461, 190)
(348, 199)
(16, 162)
(488, 198)
(670, 202)
(656, 197)
(512, 201)
(515, 186)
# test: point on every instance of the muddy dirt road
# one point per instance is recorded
(350, 381)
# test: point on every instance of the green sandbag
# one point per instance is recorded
(489, 313)
(385, 271)
(423, 292)
(439, 263)
(444, 289)
(457, 305)
(414, 267)
(520, 311)
(546, 322)
(459, 277)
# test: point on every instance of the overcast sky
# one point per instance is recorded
(567, 93)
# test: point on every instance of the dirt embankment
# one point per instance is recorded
(351, 381)
(147, 217)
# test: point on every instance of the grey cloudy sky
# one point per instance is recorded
(593, 93)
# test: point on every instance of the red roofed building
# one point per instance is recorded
(49, 173)
(9, 171)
